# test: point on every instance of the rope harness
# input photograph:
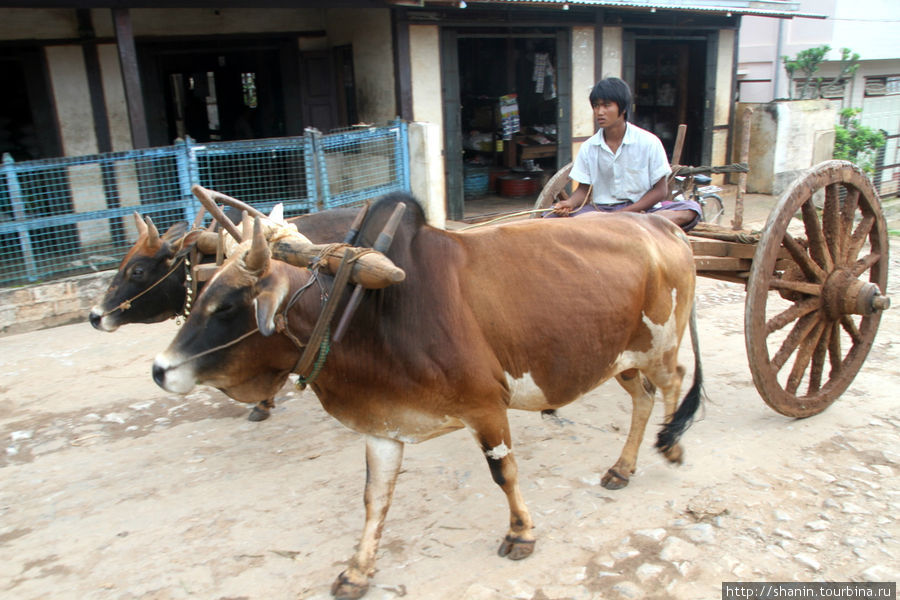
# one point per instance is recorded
(315, 350)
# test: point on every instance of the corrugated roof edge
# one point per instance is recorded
(718, 8)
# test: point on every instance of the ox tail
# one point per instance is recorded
(684, 415)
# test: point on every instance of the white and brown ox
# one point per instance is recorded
(529, 315)
(151, 283)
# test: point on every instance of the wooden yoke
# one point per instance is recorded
(372, 270)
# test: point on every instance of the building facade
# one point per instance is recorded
(503, 84)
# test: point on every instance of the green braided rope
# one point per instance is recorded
(324, 349)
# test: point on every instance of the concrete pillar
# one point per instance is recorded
(426, 171)
(583, 44)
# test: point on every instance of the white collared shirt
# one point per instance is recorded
(627, 174)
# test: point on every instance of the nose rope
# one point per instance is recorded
(215, 349)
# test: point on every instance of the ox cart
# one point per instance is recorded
(814, 277)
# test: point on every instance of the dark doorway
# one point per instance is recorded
(22, 71)
(669, 89)
(28, 131)
(222, 95)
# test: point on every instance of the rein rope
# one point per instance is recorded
(216, 349)
(523, 213)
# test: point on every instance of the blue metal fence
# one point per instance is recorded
(71, 215)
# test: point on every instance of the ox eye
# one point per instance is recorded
(226, 309)
(137, 273)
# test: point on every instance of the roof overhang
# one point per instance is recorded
(783, 9)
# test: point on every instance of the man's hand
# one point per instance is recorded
(564, 207)
(572, 203)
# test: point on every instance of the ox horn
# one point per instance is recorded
(246, 225)
(139, 223)
(152, 233)
(257, 257)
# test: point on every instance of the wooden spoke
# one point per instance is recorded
(851, 328)
(858, 239)
(818, 359)
(848, 210)
(865, 263)
(823, 347)
(812, 271)
(831, 223)
(834, 350)
(804, 355)
(796, 311)
(810, 289)
(818, 249)
(792, 342)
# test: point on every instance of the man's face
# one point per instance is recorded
(607, 113)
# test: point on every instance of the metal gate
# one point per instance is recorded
(65, 216)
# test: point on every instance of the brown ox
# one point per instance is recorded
(528, 315)
(150, 285)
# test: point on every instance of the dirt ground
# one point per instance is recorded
(111, 488)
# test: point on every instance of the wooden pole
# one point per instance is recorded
(679, 145)
(131, 78)
(738, 221)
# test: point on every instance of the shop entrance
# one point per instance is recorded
(503, 101)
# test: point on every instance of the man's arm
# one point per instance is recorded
(574, 202)
(657, 193)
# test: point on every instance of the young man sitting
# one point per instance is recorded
(623, 166)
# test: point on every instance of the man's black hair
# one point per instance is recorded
(615, 90)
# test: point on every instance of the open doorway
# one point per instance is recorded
(669, 89)
(508, 117)
(223, 95)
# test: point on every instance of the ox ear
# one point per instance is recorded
(273, 293)
(175, 232)
(173, 239)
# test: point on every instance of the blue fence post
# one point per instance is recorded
(309, 172)
(316, 163)
(20, 215)
(402, 155)
(188, 175)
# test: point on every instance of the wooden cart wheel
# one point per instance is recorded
(555, 189)
(806, 343)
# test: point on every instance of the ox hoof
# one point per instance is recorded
(613, 480)
(674, 454)
(258, 414)
(345, 589)
(515, 548)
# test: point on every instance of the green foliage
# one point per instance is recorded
(807, 62)
(855, 142)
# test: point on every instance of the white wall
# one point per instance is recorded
(369, 30)
(723, 99)
(68, 81)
